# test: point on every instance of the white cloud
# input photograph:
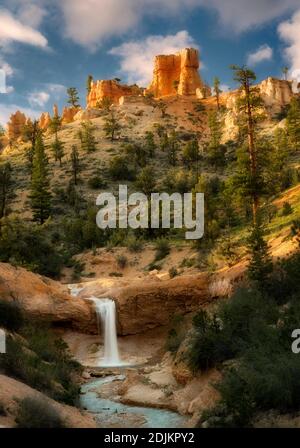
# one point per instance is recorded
(289, 32)
(263, 53)
(137, 56)
(56, 89)
(38, 99)
(13, 30)
(89, 22)
(7, 109)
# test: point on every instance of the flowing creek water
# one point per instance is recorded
(111, 413)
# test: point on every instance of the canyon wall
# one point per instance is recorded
(15, 125)
(177, 74)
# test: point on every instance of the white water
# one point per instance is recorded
(106, 313)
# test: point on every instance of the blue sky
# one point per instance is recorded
(45, 49)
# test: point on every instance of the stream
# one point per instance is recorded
(112, 414)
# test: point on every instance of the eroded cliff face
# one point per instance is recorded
(177, 74)
(110, 89)
(275, 93)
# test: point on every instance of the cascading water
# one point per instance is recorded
(106, 313)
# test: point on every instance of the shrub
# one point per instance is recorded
(122, 261)
(287, 209)
(173, 272)
(162, 247)
(38, 413)
(96, 183)
(11, 316)
(118, 169)
(134, 244)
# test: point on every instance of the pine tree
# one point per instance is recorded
(40, 196)
(293, 124)
(173, 148)
(5, 187)
(75, 162)
(58, 150)
(248, 103)
(285, 71)
(191, 153)
(215, 151)
(73, 97)
(89, 81)
(55, 125)
(86, 135)
(260, 265)
(217, 90)
(111, 126)
(150, 144)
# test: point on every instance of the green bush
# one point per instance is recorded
(162, 247)
(287, 209)
(134, 244)
(173, 272)
(29, 245)
(11, 316)
(118, 169)
(38, 413)
(96, 183)
(122, 261)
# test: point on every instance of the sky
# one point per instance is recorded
(46, 47)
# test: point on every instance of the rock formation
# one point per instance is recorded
(145, 305)
(55, 110)
(68, 114)
(276, 93)
(44, 121)
(15, 125)
(44, 298)
(110, 89)
(177, 74)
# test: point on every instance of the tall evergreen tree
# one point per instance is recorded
(215, 151)
(217, 90)
(87, 138)
(293, 124)
(150, 144)
(5, 187)
(73, 97)
(111, 126)
(260, 265)
(40, 196)
(75, 162)
(58, 150)
(248, 103)
(89, 81)
(55, 125)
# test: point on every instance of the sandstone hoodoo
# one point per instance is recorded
(110, 89)
(177, 74)
(15, 125)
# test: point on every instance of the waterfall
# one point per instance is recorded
(106, 313)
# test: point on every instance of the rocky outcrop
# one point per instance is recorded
(176, 74)
(13, 391)
(44, 121)
(110, 89)
(144, 305)
(15, 125)
(276, 93)
(46, 299)
(87, 114)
